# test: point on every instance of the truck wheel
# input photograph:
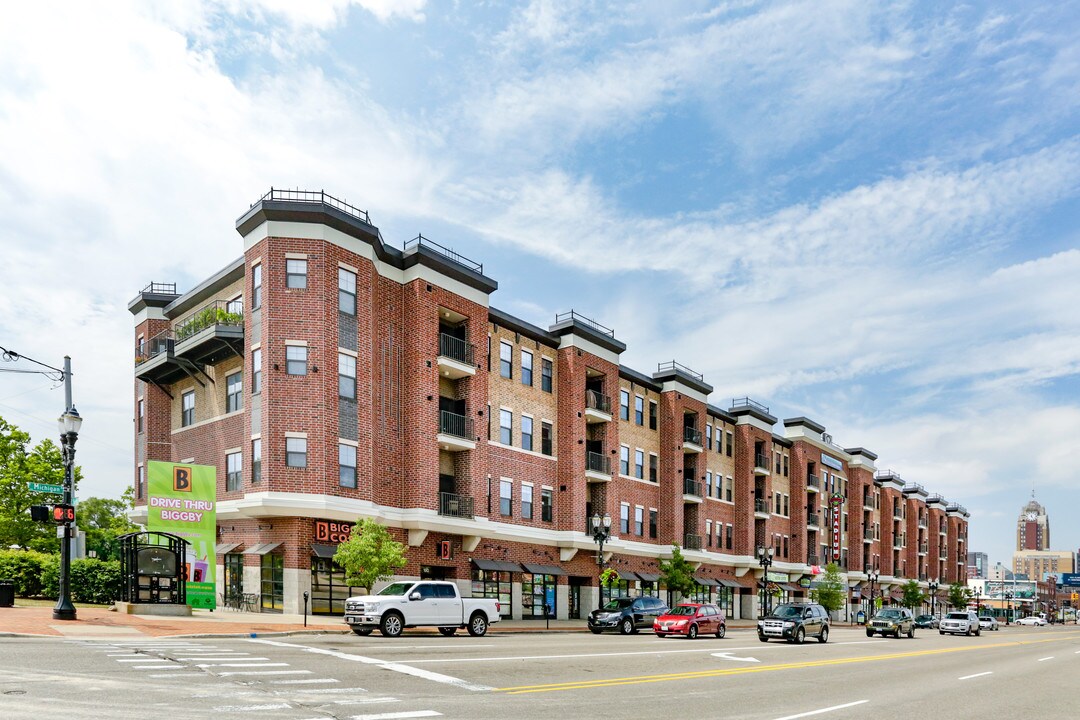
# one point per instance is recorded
(824, 636)
(941, 632)
(361, 630)
(869, 632)
(626, 626)
(800, 636)
(721, 631)
(478, 625)
(762, 638)
(447, 631)
(391, 624)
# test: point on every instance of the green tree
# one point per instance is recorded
(21, 464)
(913, 595)
(104, 520)
(677, 574)
(369, 555)
(959, 595)
(829, 592)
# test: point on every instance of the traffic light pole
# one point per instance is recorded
(64, 609)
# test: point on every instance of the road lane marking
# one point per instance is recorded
(265, 672)
(398, 715)
(968, 677)
(306, 681)
(823, 710)
(385, 664)
(256, 664)
(367, 701)
(644, 679)
(252, 708)
(729, 656)
(1045, 658)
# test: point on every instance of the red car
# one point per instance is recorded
(691, 620)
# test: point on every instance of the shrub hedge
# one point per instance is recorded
(37, 574)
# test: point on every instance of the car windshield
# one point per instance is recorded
(683, 610)
(890, 614)
(788, 611)
(396, 588)
(618, 603)
(958, 616)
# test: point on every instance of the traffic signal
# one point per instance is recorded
(39, 513)
(63, 514)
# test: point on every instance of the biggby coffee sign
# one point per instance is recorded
(332, 532)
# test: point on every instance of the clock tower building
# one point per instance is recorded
(1033, 528)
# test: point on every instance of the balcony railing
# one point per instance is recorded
(451, 423)
(745, 402)
(898, 544)
(219, 312)
(812, 560)
(678, 367)
(162, 342)
(813, 481)
(922, 522)
(897, 514)
(691, 487)
(597, 401)
(761, 460)
(691, 435)
(961, 537)
(924, 548)
(598, 462)
(454, 505)
(761, 505)
(869, 503)
(812, 519)
(456, 349)
(692, 542)
(422, 242)
(573, 316)
(320, 197)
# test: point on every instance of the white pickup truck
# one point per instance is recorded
(424, 603)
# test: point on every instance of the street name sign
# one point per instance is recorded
(46, 488)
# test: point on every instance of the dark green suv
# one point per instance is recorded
(795, 622)
(892, 621)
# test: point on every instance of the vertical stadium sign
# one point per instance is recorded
(182, 500)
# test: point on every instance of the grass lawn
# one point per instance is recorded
(40, 602)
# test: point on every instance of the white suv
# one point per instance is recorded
(963, 621)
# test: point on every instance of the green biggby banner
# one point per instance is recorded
(183, 501)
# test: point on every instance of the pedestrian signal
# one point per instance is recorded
(63, 514)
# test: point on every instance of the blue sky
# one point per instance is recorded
(861, 212)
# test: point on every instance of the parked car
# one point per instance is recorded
(1031, 620)
(961, 621)
(626, 614)
(794, 622)
(927, 621)
(427, 603)
(988, 622)
(691, 620)
(892, 621)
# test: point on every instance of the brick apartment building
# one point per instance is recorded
(331, 377)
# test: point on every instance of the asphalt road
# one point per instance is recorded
(1013, 672)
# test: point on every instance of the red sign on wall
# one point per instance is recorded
(327, 531)
(836, 502)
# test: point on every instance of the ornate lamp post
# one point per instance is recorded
(765, 559)
(872, 576)
(1008, 615)
(601, 531)
(932, 587)
(70, 423)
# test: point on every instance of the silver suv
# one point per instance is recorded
(962, 621)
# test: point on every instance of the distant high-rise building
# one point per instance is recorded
(1037, 564)
(978, 565)
(1033, 528)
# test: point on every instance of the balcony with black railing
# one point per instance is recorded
(455, 505)
(691, 439)
(812, 559)
(456, 357)
(813, 519)
(597, 407)
(761, 464)
(761, 508)
(924, 548)
(455, 432)
(691, 490)
(692, 542)
(597, 467)
(813, 483)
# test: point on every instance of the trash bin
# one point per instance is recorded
(7, 593)
(860, 617)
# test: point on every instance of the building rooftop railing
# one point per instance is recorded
(156, 288)
(914, 486)
(672, 365)
(448, 253)
(314, 197)
(887, 475)
(746, 402)
(572, 316)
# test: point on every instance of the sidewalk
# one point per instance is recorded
(101, 622)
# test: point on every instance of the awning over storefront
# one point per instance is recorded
(543, 569)
(705, 581)
(499, 565)
(223, 548)
(649, 577)
(261, 548)
(323, 551)
(728, 583)
(627, 575)
(788, 587)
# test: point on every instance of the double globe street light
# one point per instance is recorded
(601, 531)
(765, 559)
(69, 423)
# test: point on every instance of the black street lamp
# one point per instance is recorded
(70, 423)
(1008, 598)
(601, 531)
(872, 576)
(932, 587)
(765, 559)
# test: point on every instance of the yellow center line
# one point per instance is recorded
(643, 679)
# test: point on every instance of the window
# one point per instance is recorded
(639, 410)
(346, 367)
(505, 354)
(234, 392)
(346, 291)
(708, 533)
(187, 408)
(545, 375)
(708, 437)
(233, 467)
(730, 488)
(526, 501)
(235, 306)
(272, 583)
(506, 424)
(652, 523)
(526, 432)
(624, 518)
(708, 483)
(776, 503)
(256, 372)
(652, 415)
(639, 464)
(140, 491)
(624, 460)
(256, 461)
(787, 503)
(296, 359)
(624, 405)
(506, 497)
(140, 414)
(296, 274)
(639, 520)
(719, 440)
(346, 455)
(526, 367)
(785, 466)
(296, 452)
(546, 497)
(545, 438)
(256, 287)
(654, 467)
(730, 438)
(777, 463)
(728, 532)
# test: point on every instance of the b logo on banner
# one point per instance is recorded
(181, 479)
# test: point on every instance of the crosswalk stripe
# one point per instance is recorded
(398, 715)
(266, 672)
(252, 708)
(307, 681)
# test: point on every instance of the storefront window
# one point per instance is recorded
(536, 590)
(649, 588)
(725, 598)
(234, 576)
(495, 585)
(702, 594)
(328, 587)
(272, 587)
